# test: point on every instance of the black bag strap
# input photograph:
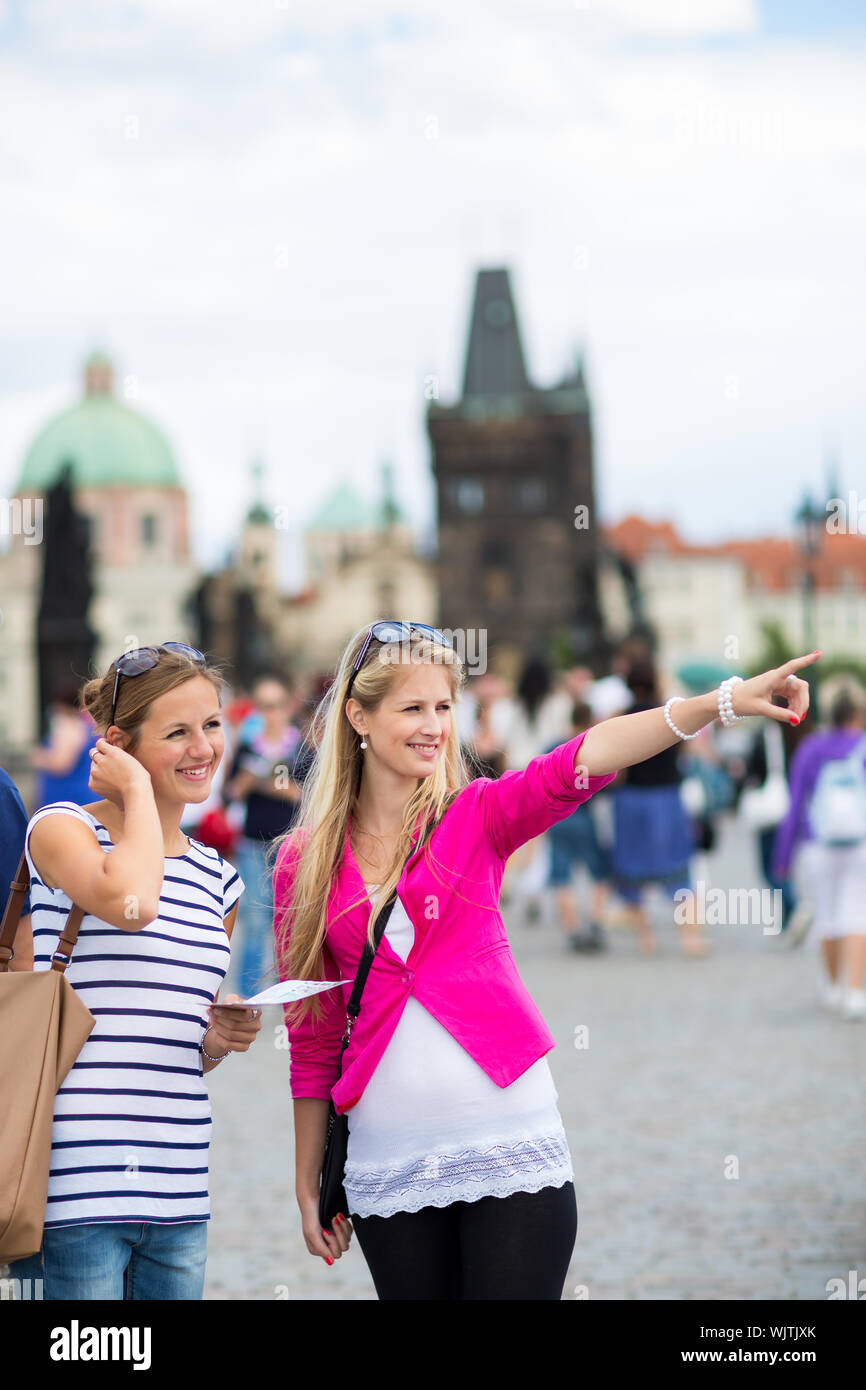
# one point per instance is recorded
(11, 917)
(354, 1006)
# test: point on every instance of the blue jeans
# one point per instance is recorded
(119, 1260)
(766, 840)
(574, 841)
(255, 924)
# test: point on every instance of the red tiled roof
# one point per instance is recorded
(772, 562)
(302, 597)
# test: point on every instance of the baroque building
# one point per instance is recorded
(361, 563)
(126, 487)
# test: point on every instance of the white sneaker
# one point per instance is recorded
(854, 1006)
(798, 924)
(831, 994)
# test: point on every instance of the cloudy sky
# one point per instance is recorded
(270, 214)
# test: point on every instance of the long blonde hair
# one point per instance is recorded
(330, 791)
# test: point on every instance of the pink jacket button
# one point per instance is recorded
(407, 979)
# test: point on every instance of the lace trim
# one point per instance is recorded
(437, 1180)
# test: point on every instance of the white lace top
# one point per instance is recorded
(432, 1128)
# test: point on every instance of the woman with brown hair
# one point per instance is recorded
(128, 1201)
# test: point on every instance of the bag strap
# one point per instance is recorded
(11, 917)
(354, 1006)
(18, 888)
(774, 748)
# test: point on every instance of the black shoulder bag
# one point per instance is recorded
(332, 1194)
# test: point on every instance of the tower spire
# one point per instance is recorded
(494, 354)
(390, 510)
(98, 375)
(258, 511)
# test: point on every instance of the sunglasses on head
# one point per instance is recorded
(144, 659)
(392, 632)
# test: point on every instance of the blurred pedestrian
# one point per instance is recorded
(13, 825)
(654, 837)
(573, 842)
(764, 803)
(62, 760)
(536, 716)
(826, 822)
(707, 790)
(261, 777)
(479, 718)
(609, 695)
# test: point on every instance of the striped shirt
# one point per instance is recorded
(132, 1120)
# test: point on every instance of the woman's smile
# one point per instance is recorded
(427, 751)
(196, 772)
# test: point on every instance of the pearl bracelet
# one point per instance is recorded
(207, 1054)
(670, 723)
(726, 708)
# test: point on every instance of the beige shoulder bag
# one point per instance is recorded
(43, 1027)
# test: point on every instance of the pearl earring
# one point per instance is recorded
(363, 743)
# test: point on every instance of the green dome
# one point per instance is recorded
(346, 510)
(105, 441)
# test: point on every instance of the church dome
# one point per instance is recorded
(106, 442)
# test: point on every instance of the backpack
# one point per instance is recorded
(837, 811)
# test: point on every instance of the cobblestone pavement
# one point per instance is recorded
(695, 1070)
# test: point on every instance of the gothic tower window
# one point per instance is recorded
(531, 494)
(468, 494)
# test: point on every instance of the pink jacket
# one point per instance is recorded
(460, 967)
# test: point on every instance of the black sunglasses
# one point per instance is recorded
(392, 632)
(144, 659)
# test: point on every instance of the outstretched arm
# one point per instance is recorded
(631, 738)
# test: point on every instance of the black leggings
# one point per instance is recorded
(515, 1247)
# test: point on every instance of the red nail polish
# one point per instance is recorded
(794, 719)
(328, 1260)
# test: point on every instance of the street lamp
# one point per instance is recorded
(811, 523)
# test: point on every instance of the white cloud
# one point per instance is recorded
(100, 29)
(282, 247)
(676, 17)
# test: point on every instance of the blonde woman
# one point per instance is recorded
(458, 1179)
(128, 1202)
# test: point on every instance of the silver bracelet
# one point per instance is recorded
(670, 723)
(207, 1054)
(726, 708)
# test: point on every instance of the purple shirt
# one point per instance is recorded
(812, 753)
